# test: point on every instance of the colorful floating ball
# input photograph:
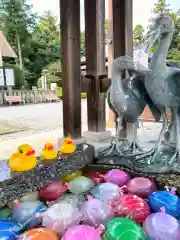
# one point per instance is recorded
(27, 214)
(69, 177)
(9, 230)
(117, 177)
(95, 212)
(141, 186)
(61, 216)
(106, 191)
(72, 199)
(162, 226)
(167, 200)
(54, 190)
(96, 177)
(82, 232)
(80, 185)
(40, 234)
(123, 229)
(130, 206)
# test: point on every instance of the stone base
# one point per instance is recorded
(99, 140)
(97, 136)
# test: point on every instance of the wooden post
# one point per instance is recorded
(95, 62)
(122, 34)
(71, 73)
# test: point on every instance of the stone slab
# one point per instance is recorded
(96, 136)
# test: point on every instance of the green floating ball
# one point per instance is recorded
(5, 214)
(123, 229)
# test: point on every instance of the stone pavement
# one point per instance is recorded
(149, 131)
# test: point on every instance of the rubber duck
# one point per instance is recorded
(67, 146)
(48, 153)
(23, 160)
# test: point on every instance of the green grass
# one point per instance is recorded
(59, 93)
(8, 128)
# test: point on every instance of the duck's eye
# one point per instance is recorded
(21, 151)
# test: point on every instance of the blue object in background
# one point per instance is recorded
(167, 200)
(9, 230)
(26, 214)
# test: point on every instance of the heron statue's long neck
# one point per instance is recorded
(158, 60)
(116, 82)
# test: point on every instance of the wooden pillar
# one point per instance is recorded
(95, 62)
(71, 73)
(122, 33)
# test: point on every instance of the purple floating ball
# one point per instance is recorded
(162, 226)
(117, 177)
(141, 186)
(95, 212)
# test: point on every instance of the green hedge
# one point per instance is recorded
(18, 75)
(59, 93)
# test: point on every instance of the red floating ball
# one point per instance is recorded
(54, 190)
(130, 206)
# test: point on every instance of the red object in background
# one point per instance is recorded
(141, 186)
(131, 206)
(96, 177)
(54, 190)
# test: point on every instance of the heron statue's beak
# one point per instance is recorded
(152, 36)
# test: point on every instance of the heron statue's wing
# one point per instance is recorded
(174, 77)
(141, 86)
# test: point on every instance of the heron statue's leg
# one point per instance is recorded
(115, 142)
(176, 156)
(157, 147)
(133, 146)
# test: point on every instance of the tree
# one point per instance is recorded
(18, 21)
(138, 34)
(161, 7)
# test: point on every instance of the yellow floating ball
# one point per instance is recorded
(71, 176)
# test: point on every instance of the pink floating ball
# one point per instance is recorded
(130, 206)
(82, 232)
(141, 186)
(117, 177)
(96, 177)
(95, 212)
(162, 226)
(54, 190)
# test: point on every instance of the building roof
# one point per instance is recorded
(5, 48)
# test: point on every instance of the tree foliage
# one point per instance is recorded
(138, 34)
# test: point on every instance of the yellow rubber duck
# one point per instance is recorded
(67, 146)
(48, 152)
(23, 160)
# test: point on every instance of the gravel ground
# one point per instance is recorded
(37, 118)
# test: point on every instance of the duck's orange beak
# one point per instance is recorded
(50, 148)
(69, 142)
(30, 152)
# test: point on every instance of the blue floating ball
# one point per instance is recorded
(9, 230)
(167, 200)
(26, 214)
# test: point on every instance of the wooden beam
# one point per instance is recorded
(71, 72)
(122, 34)
(95, 62)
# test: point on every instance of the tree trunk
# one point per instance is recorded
(19, 51)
